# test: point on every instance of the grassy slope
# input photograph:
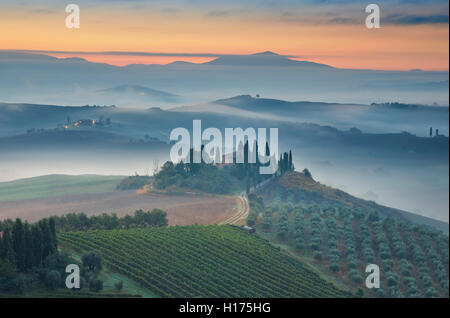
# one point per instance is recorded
(110, 278)
(205, 261)
(56, 185)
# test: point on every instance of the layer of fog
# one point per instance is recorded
(409, 187)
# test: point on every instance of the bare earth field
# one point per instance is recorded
(182, 209)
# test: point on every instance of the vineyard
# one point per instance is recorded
(201, 261)
(66, 293)
(342, 241)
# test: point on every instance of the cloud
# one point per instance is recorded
(394, 19)
(343, 20)
(415, 19)
(218, 13)
(170, 10)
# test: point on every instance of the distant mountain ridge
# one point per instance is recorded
(264, 59)
(72, 80)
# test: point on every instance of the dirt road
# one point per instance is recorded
(241, 214)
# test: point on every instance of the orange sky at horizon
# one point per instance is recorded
(392, 47)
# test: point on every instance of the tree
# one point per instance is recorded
(19, 244)
(52, 228)
(28, 246)
(360, 293)
(96, 285)
(18, 284)
(283, 224)
(118, 285)
(158, 217)
(58, 261)
(334, 267)
(7, 271)
(53, 279)
(317, 255)
(36, 234)
(92, 261)
(267, 219)
(8, 253)
(290, 163)
(47, 243)
(307, 173)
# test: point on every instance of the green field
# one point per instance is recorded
(56, 185)
(201, 261)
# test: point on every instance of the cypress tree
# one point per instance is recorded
(19, 244)
(246, 153)
(280, 164)
(285, 162)
(37, 245)
(256, 150)
(1, 247)
(28, 246)
(291, 165)
(54, 242)
(8, 250)
(46, 239)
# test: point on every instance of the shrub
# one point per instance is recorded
(118, 285)
(317, 255)
(52, 279)
(334, 267)
(354, 275)
(96, 285)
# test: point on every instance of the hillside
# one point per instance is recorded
(56, 185)
(374, 118)
(296, 188)
(129, 93)
(341, 241)
(201, 261)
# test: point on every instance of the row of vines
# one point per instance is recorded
(202, 261)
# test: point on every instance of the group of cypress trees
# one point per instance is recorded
(28, 245)
(243, 168)
(285, 164)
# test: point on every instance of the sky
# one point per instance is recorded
(413, 35)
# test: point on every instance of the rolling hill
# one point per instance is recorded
(138, 92)
(297, 188)
(341, 241)
(56, 185)
(411, 163)
(202, 261)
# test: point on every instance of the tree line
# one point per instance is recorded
(82, 222)
(27, 245)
